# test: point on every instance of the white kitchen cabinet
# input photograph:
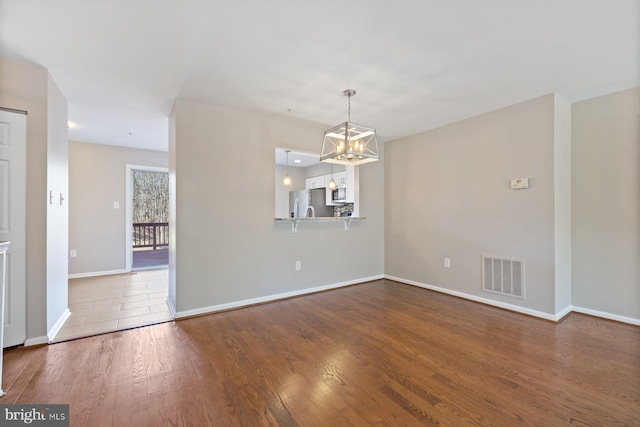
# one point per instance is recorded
(314, 182)
(350, 183)
(345, 179)
(341, 179)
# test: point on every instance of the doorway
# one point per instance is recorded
(108, 303)
(147, 212)
(13, 178)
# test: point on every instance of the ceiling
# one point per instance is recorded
(296, 159)
(416, 65)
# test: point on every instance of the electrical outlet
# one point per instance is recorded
(298, 265)
(447, 262)
(116, 205)
(72, 253)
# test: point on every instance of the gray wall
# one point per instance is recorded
(447, 195)
(562, 204)
(29, 88)
(239, 252)
(98, 179)
(606, 203)
(322, 169)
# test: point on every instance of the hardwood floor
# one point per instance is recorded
(379, 353)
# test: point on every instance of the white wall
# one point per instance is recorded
(447, 195)
(606, 204)
(57, 212)
(97, 231)
(228, 247)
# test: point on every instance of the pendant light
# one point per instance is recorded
(287, 179)
(332, 184)
(350, 143)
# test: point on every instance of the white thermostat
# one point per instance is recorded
(519, 183)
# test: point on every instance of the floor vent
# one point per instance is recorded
(504, 276)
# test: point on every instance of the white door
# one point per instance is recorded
(13, 207)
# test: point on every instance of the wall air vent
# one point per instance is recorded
(504, 276)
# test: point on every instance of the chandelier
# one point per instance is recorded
(350, 143)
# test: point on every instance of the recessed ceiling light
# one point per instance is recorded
(297, 161)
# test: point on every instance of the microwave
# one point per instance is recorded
(339, 195)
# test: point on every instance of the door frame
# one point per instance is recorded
(129, 208)
(15, 290)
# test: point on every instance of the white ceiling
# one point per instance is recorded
(416, 65)
(297, 159)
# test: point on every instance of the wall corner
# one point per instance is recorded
(562, 201)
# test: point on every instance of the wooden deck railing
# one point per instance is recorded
(151, 235)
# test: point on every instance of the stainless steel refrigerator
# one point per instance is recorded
(309, 203)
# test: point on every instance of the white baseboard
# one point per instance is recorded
(562, 313)
(97, 273)
(553, 317)
(36, 341)
(268, 298)
(512, 307)
(172, 307)
(606, 315)
(58, 325)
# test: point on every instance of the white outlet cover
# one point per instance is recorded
(519, 183)
(116, 205)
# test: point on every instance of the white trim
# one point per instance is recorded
(58, 325)
(128, 206)
(562, 313)
(553, 317)
(606, 315)
(96, 273)
(512, 307)
(172, 308)
(268, 298)
(36, 341)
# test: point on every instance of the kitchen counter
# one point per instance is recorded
(294, 221)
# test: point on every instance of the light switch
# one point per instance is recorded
(116, 205)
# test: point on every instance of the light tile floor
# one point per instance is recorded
(120, 301)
